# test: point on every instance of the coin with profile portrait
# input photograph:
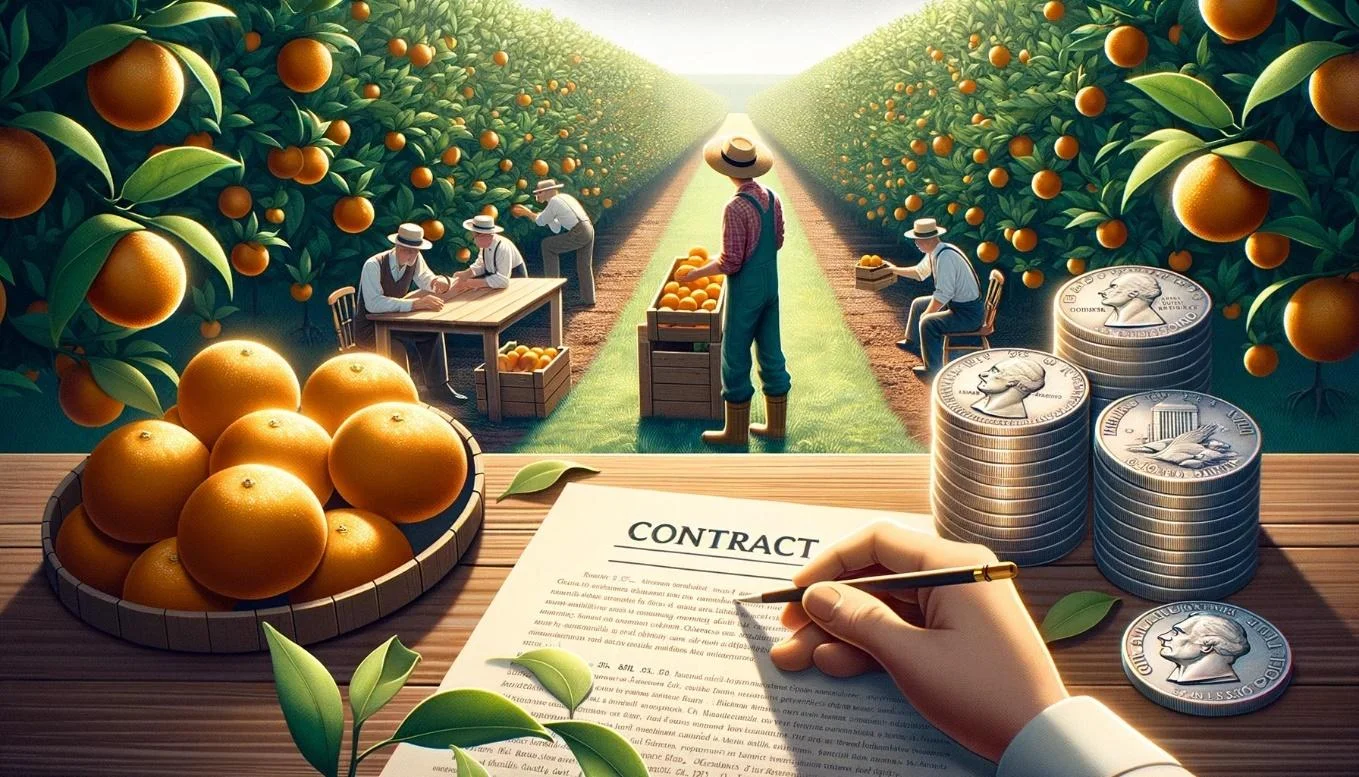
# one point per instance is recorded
(1010, 392)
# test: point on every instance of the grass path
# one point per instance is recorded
(836, 405)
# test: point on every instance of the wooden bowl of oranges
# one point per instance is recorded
(316, 507)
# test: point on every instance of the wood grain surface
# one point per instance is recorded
(74, 701)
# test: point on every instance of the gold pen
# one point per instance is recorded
(1001, 570)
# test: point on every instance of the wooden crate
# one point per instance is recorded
(239, 630)
(529, 394)
(684, 326)
(873, 278)
(677, 381)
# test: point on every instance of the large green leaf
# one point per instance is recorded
(1075, 614)
(183, 13)
(1186, 97)
(84, 50)
(202, 72)
(310, 701)
(466, 717)
(201, 240)
(1323, 11)
(173, 171)
(1304, 229)
(1155, 161)
(69, 133)
(126, 384)
(379, 677)
(564, 674)
(1262, 166)
(541, 475)
(1288, 70)
(599, 750)
(467, 765)
(81, 258)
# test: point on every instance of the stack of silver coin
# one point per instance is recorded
(1177, 495)
(1011, 453)
(1133, 329)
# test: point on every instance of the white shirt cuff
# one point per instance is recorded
(1079, 737)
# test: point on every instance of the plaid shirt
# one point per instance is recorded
(741, 227)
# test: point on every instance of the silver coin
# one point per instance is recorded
(1065, 344)
(1051, 482)
(1026, 557)
(1009, 392)
(1187, 583)
(1207, 545)
(1046, 544)
(1190, 525)
(1055, 523)
(1130, 551)
(1079, 427)
(1172, 520)
(1043, 535)
(1189, 374)
(1129, 304)
(1178, 442)
(1105, 479)
(1009, 508)
(1167, 659)
(1192, 353)
(943, 441)
(1008, 476)
(1173, 568)
(1110, 390)
(1158, 593)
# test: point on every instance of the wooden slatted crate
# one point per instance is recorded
(529, 394)
(679, 380)
(873, 278)
(684, 326)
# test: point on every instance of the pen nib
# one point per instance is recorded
(749, 599)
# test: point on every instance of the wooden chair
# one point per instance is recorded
(342, 302)
(994, 287)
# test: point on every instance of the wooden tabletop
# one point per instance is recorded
(484, 308)
(74, 701)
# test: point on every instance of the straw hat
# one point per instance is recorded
(547, 184)
(410, 236)
(925, 229)
(738, 157)
(482, 224)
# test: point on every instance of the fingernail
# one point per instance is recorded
(821, 601)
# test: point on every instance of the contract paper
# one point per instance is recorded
(640, 584)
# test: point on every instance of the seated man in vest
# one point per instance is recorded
(955, 305)
(385, 286)
(497, 257)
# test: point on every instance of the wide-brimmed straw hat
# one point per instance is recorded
(482, 224)
(738, 157)
(410, 236)
(925, 229)
(547, 184)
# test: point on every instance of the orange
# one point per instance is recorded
(967, 86)
(670, 300)
(980, 156)
(1174, 33)
(353, 214)
(82, 400)
(1075, 266)
(999, 56)
(422, 54)
(141, 283)
(396, 47)
(540, 168)
(1053, 11)
(672, 286)
(315, 165)
(899, 214)
(422, 177)
(252, 41)
(360, 546)
(1112, 233)
(1181, 261)
(139, 88)
(1232, 312)
(434, 229)
(287, 440)
(96, 559)
(158, 579)
(371, 91)
(714, 290)
(1020, 145)
(988, 252)
(251, 532)
(974, 216)
(339, 131)
(359, 11)
(490, 140)
(1046, 184)
(234, 202)
(28, 173)
(300, 292)
(138, 478)
(1237, 20)
(249, 259)
(394, 141)
(1009, 234)
(304, 65)
(1066, 147)
(347, 383)
(1025, 240)
(500, 58)
(1091, 101)
(914, 203)
(209, 330)
(274, 215)
(1261, 360)
(453, 155)
(424, 462)
(1032, 278)
(199, 139)
(1321, 319)
(918, 147)
(1126, 46)
(998, 177)
(1024, 56)
(227, 380)
(1267, 250)
(942, 145)
(1334, 89)
(172, 416)
(1216, 203)
(285, 163)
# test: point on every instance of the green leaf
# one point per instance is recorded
(201, 240)
(81, 258)
(1087, 218)
(541, 475)
(379, 677)
(124, 383)
(1263, 166)
(69, 133)
(84, 50)
(158, 365)
(599, 750)
(320, 5)
(466, 717)
(1154, 162)
(5, 272)
(184, 13)
(173, 171)
(310, 701)
(16, 380)
(143, 347)
(1075, 614)
(36, 328)
(1186, 97)
(1323, 11)
(201, 70)
(1303, 229)
(338, 40)
(562, 673)
(1288, 70)
(467, 765)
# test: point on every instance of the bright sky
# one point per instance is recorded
(722, 36)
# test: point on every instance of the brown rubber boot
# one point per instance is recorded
(736, 431)
(776, 419)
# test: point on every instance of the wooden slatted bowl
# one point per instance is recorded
(438, 542)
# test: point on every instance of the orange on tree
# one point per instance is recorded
(397, 47)
(424, 462)
(1180, 261)
(360, 546)
(1066, 147)
(998, 177)
(434, 229)
(1112, 233)
(234, 202)
(285, 162)
(347, 383)
(1009, 234)
(207, 330)
(359, 11)
(540, 168)
(1238, 20)
(82, 400)
(1216, 203)
(394, 141)
(1334, 89)
(1321, 319)
(138, 478)
(338, 131)
(274, 215)
(199, 139)
(1053, 11)
(974, 216)
(980, 156)
(252, 531)
(1075, 265)
(502, 59)
(967, 86)
(422, 177)
(139, 88)
(1231, 312)
(999, 56)
(988, 252)
(285, 439)
(1020, 145)
(1267, 250)
(96, 559)
(489, 140)
(1046, 184)
(918, 147)
(1032, 278)
(942, 145)
(1174, 33)
(353, 214)
(227, 380)
(453, 155)
(300, 292)
(1126, 46)
(1091, 101)
(158, 579)
(315, 165)
(1261, 360)
(28, 173)
(899, 213)
(1024, 240)
(304, 65)
(141, 283)
(914, 203)
(252, 41)
(422, 54)
(371, 91)
(249, 258)
(1024, 56)
(490, 210)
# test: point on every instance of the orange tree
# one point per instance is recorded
(1059, 139)
(136, 135)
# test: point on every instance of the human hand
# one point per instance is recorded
(967, 657)
(428, 302)
(521, 211)
(440, 285)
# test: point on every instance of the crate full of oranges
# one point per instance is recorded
(872, 274)
(533, 380)
(684, 309)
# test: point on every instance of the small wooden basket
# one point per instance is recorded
(438, 543)
(873, 278)
(529, 394)
(684, 326)
(677, 380)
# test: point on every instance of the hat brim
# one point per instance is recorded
(712, 154)
(470, 227)
(549, 188)
(425, 245)
(911, 233)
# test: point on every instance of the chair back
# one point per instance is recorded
(994, 287)
(342, 302)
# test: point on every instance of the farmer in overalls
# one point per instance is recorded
(955, 305)
(752, 234)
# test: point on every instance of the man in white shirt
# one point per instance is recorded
(497, 257)
(955, 305)
(571, 231)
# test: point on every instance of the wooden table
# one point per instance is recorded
(74, 701)
(487, 312)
